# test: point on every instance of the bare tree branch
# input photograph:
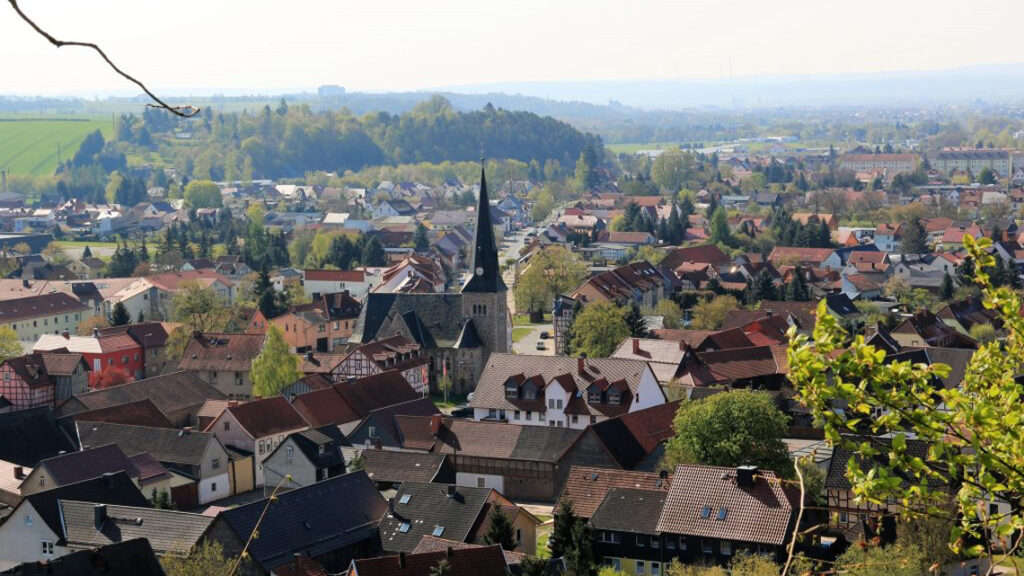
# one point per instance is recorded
(183, 111)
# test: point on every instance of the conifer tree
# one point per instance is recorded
(501, 530)
(635, 320)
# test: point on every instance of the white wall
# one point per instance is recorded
(473, 481)
(355, 289)
(223, 482)
(21, 542)
(648, 393)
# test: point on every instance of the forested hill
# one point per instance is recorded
(288, 141)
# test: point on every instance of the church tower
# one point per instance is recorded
(485, 296)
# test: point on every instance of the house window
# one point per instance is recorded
(655, 569)
(7, 375)
(48, 548)
(640, 540)
(529, 415)
(575, 418)
(615, 563)
(110, 361)
(594, 396)
(707, 547)
(670, 543)
(263, 446)
(655, 543)
(227, 425)
(215, 463)
(213, 486)
(551, 403)
(726, 548)
(614, 398)
(480, 482)
(28, 519)
(593, 419)
(124, 359)
(515, 415)
(289, 451)
(641, 568)
(558, 403)
(337, 325)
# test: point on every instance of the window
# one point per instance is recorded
(614, 398)
(227, 425)
(215, 463)
(575, 418)
(615, 563)
(213, 486)
(640, 539)
(42, 480)
(515, 415)
(263, 446)
(593, 419)
(289, 451)
(404, 527)
(594, 396)
(405, 499)
(655, 542)
(124, 359)
(844, 517)
(28, 519)
(110, 361)
(558, 403)
(372, 431)
(641, 568)
(707, 547)
(438, 530)
(705, 512)
(47, 547)
(480, 482)
(7, 375)
(726, 547)
(670, 543)
(337, 325)
(551, 403)
(529, 415)
(722, 513)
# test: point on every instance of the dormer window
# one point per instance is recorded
(614, 397)
(511, 390)
(529, 392)
(593, 396)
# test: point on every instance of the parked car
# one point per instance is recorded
(540, 345)
(462, 412)
(544, 335)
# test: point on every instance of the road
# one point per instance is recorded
(528, 344)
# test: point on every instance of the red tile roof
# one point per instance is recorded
(586, 487)
(267, 416)
(221, 352)
(482, 561)
(138, 413)
(334, 275)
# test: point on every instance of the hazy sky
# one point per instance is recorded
(415, 44)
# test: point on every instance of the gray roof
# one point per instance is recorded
(430, 509)
(115, 488)
(28, 436)
(394, 466)
(629, 510)
(167, 445)
(434, 320)
(168, 531)
(170, 392)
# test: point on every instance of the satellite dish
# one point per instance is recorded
(479, 271)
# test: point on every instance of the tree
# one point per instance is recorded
(983, 333)
(730, 429)
(561, 530)
(162, 500)
(206, 558)
(635, 320)
(720, 233)
(971, 431)
(442, 568)
(85, 327)
(419, 240)
(110, 377)
(444, 384)
(579, 558)
(198, 308)
(915, 237)
(500, 530)
(987, 176)
(897, 287)
(671, 169)
(671, 313)
(762, 287)
(551, 271)
(9, 345)
(710, 314)
(533, 566)
(599, 329)
(55, 255)
(86, 253)
(275, 367)
(202, 194)
(119, 316)
(946, 289)
(893, 560)
(797, 290)
(373, 253)
(358, 462)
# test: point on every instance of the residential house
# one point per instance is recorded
(26, 382)
(887, 164)
(804, 257)
(665, 357)
(394, 353)
(33, 531)
(380, 428)
(88, 526)
(88, 268)
(178, 395)
(257, 427)
(138, 413)
(706, 254)
(923, 328)
(104, 353)
(974, 160)
(33, 316)
(347, 404)
(414, 273)
(318, 282)
(461, 561)
(389, 208)
(322, 325)
(639, 282)
(558, 391)
(184, 451)
(449, 511)
(966, 314)
(305, 458)
(587, 487)
(152, 337)
(332, 522)
(151, 297)
(223, 361)
(131, 558)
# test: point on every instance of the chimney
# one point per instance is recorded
(745, 476)
(26, 283)
(295, 559)
(232, 403)
(95, 332)
(663, 474)
(378, 444)
(187, 430)
(19, 473)
(435, 424)
(391, 506)
(636, 346)
(581, 365)
(448, 552)
(401, 560)
(451, 490)
(108, 479)
(66, 335)
(99, 514)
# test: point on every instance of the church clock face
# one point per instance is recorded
(479, 271)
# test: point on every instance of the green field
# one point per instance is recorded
(28, 145)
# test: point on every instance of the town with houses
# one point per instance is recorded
(447, 397)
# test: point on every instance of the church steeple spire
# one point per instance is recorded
(485, 275)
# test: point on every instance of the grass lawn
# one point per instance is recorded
(70, 244)
(543, 535)
(454, 400)
(520, 333)
(28, 145)
(524, 319)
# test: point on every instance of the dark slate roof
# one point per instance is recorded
(486, 275)
(376, 391)
(484, 439)
(115, 488)
(837, 466)
(384, 421)
(310, 441)
(311, 520)
(78, 466)
(629, 510)
(139, 413)
(840, 304)
(147, 334)
(226, 352)
(957, 360)
(631, 437)
(758, 514)
(429, 507)
(435, 320)
(475, 561)
(38, 306)
(394, 466)
(882, 340)
(167, 445)
(28, 436)
(168, 531)
(170, 392)
(130, 558)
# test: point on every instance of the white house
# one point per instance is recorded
(331, 281)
